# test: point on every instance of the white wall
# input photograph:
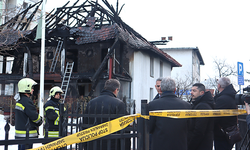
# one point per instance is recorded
(185, 59)
(142, 81)
(196, 68)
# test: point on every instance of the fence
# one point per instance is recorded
(137, 133)
(73, 122)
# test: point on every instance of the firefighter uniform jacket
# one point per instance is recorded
(25, 110)
(52, 116)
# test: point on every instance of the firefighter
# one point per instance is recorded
(51, 109)
(25, 111)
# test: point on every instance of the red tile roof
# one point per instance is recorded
(90, 34)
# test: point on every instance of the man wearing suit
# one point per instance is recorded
(168, 133)
(157, 87)
(106, 103)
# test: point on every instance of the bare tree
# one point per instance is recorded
(183, 87)
(222, 69)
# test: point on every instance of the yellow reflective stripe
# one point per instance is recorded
(56, 122)
(24, 132)
(53, 133)
(20, 105)
(49, 107)
(38, 118)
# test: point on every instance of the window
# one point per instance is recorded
(0, 89)
(151, 66)
(6, 62)
(71, 56)
(161, 69)
(151, 94)
(9, 89)
(9, 64)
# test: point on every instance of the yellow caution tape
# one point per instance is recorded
(115, 125)
(145, 117)
(196, 113)
(92, 133)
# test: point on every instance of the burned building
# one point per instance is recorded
(89, 44)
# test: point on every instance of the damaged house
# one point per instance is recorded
(85, 44)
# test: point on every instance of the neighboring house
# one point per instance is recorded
(100, 45)
(11, 8)
(189, 73)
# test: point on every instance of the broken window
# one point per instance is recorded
(81, 89)
(72, 56)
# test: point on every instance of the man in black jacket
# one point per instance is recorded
(200, 134)
(51, 108)
(106, 103)
(224, 100)
(159, 92)
(25, 111)
(157, 87)
(168, 133)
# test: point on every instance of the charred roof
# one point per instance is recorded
(86, 22)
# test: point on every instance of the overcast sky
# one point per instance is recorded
(219, 28)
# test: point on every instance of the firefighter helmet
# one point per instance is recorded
(25, 85)
(55, 90)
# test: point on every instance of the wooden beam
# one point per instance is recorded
(97, 74)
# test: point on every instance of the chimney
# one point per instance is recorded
(170, 38)
(91, 22)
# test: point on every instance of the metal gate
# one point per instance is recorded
(72, 122)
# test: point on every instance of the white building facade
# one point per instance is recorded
(145, 69)
(185, 76)
(190, 58)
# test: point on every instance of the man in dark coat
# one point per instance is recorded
(224, 100)
(168, 133)
(25, 111)
(158, 89)
(51, 109)
(159, 92)
(200, 134)
(106, 103)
